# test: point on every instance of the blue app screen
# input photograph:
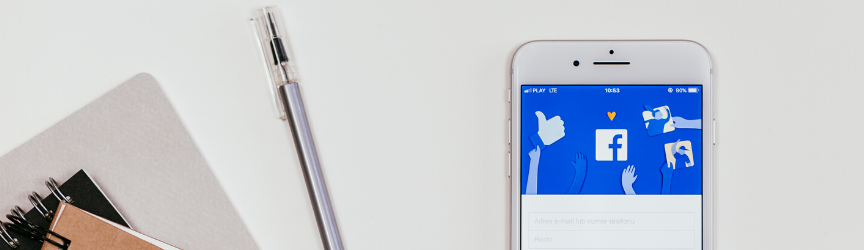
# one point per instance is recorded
(611, 140)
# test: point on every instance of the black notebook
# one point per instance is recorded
(81, 190)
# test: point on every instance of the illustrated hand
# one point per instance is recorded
(628, 177)
(679, 122)
(666, 170)
(580, 165)
(666, 186)
(534, 153)
(676, 121)
(549, 130)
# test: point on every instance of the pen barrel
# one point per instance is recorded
(308, 156)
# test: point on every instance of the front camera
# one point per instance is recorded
(576, 63)
(611, 52)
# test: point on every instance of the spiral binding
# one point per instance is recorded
(20, 226)
(36, 200)
(12, 242)
(55, 190)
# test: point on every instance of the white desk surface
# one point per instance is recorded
(407, 100)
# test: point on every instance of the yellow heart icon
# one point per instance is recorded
(611, 115)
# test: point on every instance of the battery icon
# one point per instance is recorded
(692, 90)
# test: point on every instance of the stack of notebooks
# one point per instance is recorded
(54, 223)
(153, 183)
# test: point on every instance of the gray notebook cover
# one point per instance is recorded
(134, 146)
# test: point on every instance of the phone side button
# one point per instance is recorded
(509, 166)
(509, 133)
(714, 131)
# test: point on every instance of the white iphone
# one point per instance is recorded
(611, 145)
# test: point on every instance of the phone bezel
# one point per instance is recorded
(652, 62)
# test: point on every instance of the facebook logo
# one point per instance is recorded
(611, 145)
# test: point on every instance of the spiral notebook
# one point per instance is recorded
(80, 189)
(135, 146)
(85, 231)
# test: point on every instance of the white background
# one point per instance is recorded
(407, 100)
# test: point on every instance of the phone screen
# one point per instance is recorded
(611, 167)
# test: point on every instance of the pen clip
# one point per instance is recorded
(274, 53)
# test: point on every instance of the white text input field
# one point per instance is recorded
(611, 230)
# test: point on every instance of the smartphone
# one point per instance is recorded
(611, 145)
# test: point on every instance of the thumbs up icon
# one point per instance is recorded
(548, 131)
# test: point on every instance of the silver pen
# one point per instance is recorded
(289, 106)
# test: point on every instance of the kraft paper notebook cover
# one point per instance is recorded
(80, 189)
(89, 232)
(134, 145)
